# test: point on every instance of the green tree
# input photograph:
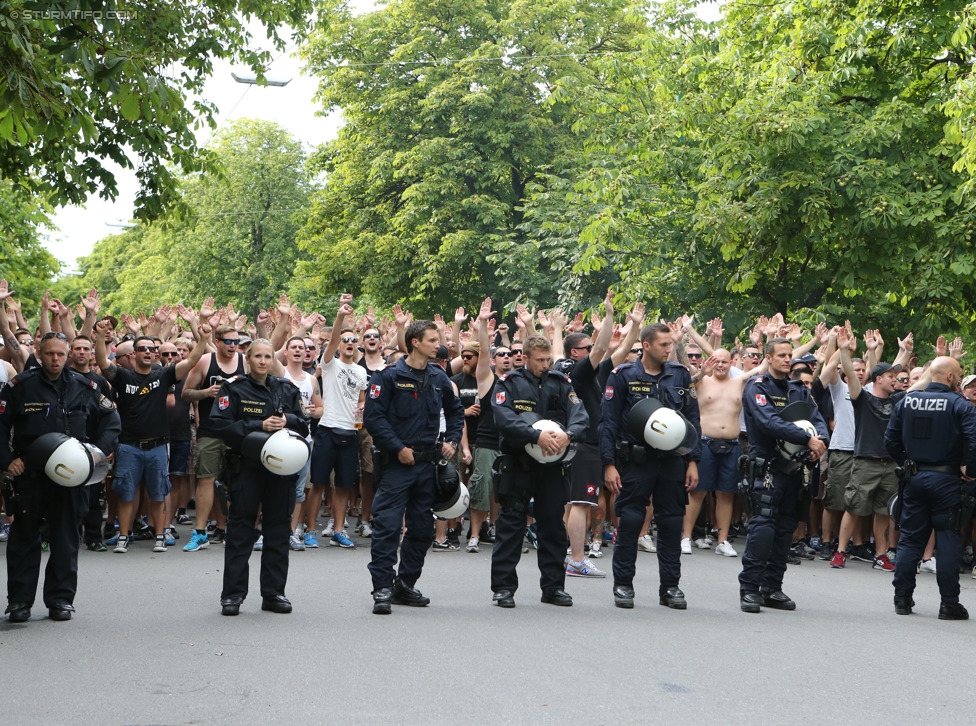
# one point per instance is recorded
(446, 125)
(28, 267)
(83, 82)
(794, 156)
(236, 242)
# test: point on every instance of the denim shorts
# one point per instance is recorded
(179, 458)
(133, 466)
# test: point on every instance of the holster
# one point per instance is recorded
(754, 501)
(8, 490)
(381, 460)
(510, 480)
(220, 491)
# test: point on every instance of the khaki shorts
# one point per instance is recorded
(839, 474)
(479, 485)
(365, 452)
(873, 481)
(209, 453)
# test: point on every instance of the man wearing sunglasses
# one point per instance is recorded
(203, 383)
(336, 446)
(142, 454)
(372, 361)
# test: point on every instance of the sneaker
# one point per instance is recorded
(122, 545)
(801, 551)
(532, 537)
(341, 539)
(927, 565)
(170, 537)
(311, 540)
(365, 530)
(113, 540)
(444, 546)
(881, 562)
(839, 559)
(862, 552)
(329, 528)
(596, 549)
(96, 547)
(454, 539)
(160, 545)
(218, 535)
(827, 550)
(198, 541)
(583, 569)
(686, 546)
(646, 543)
(473, 545)
(726, 550)
(487, 533)
(974, 572)
(184, 518)
(259, 543)
(815, 543)
(296, 543)
(5, 532)
(891, 553)
(703, 543)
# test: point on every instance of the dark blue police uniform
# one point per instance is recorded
(240, 408)
(403, 411)
(645, 471)
(550, 396)
(771, 527)
(935, 429)
(31, 406)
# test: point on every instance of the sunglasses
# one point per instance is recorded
(146, 349)
(371, 335)
(751, 355)
(231, 341)
(468, 356)
(168, 355)
(902, 380)
(48, 336)
(350, 339)
(309, 347)
(516, 351)
(694, 355)
(587, 348)
(504, 354)
(26, 342)
(636, 351)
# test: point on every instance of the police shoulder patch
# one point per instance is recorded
(3, 406)
(374, 390)
(223, 403)
(574, 399)
(504, 376)
(105, 403)
(692, 392)
(499, 398)
(608, 393)
(761, 399)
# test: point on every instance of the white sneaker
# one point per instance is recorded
(596, 549)
(703, 543)
(583, 569)
(473, 544)
(726, 549)
(329, 528)
(686, 546)
(927, 565)
(646, 543)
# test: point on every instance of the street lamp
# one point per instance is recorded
(252, 80)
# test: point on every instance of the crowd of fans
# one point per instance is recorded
(846, 518)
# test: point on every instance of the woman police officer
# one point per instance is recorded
(257, 402)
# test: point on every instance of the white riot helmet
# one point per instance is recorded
(66, 461)
(662, 428)
(284, 452)
(535, 451)
(451, 497)
(806, 426)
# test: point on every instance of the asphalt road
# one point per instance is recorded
(149, 646)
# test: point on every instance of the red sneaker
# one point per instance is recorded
(839, 559)
(881, 562)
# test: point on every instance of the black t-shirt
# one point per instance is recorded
(141, 401)
(584, 378)
(487, 436)
(468, 393)
(179, 415)
(871, 416)
(369, 371)
(103, 385)
(825, 403)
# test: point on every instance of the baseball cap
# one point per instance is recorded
(442, 353)
(882, 368)
(809, 359)
(967, 380)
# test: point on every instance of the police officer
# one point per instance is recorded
(49, 399)
(402, 413)
(932, 433)
(546, 394)
(775, 477)
(638, 471)
(257, 402)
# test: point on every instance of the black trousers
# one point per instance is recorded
(252, 489)
(769, 537)
(39, 498)
(92, 513)
(550, 487)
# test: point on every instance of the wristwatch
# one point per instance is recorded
(453, 445)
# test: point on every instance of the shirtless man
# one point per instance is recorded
(719, 405)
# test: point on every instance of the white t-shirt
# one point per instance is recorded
(842, 437)
(341, 385)
(305, 390)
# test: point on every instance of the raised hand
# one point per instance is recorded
(207, 309)
(4, 292)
